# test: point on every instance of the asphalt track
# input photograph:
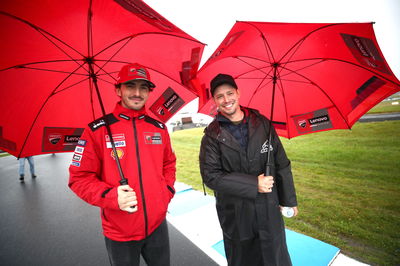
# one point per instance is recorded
(380, 117)
(44, 223)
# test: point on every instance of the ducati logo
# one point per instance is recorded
(54, 138)
(302, 123)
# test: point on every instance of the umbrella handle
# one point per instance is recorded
(268, 171)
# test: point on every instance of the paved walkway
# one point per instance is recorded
(45, 223)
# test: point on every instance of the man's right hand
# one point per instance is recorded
(127, 199)
(265, 183)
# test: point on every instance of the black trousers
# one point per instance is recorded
(154, 249)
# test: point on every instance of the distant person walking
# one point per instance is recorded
(22, 168)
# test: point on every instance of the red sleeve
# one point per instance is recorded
(85, 179)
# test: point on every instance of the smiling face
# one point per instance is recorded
(134, 94)
(226, 99)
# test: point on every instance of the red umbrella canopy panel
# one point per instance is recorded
(59, 56)
(305, 77)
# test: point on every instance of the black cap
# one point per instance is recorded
(222, 79)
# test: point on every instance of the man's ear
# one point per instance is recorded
(118, 91)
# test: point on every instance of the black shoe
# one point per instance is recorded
(21, 178)
(33, 176)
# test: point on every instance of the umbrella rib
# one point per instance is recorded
(41, 108)
(315, 84)
(44, 33)
(302, 68)
(267, 74)
(145, 33)
(347, 62)
(259, 87)
(40, 62)
(128, 39)
(101, 68)
(266, 44)
(255, 68)
(51, 70)
(299, 42)
(70, 86)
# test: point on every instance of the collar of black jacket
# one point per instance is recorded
(223, 119)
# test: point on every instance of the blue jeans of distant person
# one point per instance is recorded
(154, 249)
(22, 165)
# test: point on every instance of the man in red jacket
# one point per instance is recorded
(133, 215)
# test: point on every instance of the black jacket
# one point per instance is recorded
(232, 173)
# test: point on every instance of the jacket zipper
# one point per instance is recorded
(140, 177)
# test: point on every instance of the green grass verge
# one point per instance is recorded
(347, 182)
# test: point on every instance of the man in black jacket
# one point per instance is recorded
(233, 156)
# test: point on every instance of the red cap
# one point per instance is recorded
(132, 72)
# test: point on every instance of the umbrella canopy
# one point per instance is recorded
(305, 77)
(56, 54)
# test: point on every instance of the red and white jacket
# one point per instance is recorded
(147, 160)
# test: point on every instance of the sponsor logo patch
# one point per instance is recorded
(82, 142)
(121, 143)
(120, 153)
(265, 147)
(98, 124)
(119, 140)
(76, 164)
(152, 138)
(313, 121)
(77, 157)
(79, 149)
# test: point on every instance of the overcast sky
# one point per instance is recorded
(210, 20)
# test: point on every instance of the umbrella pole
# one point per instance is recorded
(274, 80)
(123, 180)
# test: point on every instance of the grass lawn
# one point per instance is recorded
(347, 182)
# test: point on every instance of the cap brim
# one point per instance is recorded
(151, 84)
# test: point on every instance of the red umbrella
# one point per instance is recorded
(59, 57)
(305, 77)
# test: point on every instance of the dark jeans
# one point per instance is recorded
(154, 249)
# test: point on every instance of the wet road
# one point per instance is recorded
(44, 223)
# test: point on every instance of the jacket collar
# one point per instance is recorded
(252, 116)
(127, 114)
(221, 118)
